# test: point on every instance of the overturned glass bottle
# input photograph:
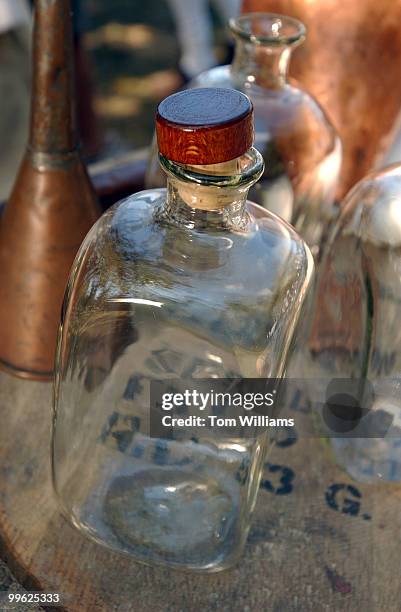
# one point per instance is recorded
(190, 282)
(300, 147)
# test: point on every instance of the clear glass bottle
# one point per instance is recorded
(356, 331)
(191, 282)
(301, 149)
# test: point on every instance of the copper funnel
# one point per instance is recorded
(350, 63)
(52, 206)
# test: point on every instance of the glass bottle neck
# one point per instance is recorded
(262, 65)
(211, 197)
(264, 43)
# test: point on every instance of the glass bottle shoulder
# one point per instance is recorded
(290, 93)
(286, 111)
(132, 252)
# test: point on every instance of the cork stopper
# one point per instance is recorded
(205, 126)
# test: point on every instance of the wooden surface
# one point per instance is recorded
(314, 544)
(10, 586)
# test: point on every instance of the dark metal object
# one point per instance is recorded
(52, 206)
(119, 177)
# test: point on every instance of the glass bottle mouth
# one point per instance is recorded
(268, 29)
(250, 168)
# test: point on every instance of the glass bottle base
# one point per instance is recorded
(168, 516)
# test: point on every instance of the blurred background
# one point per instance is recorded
(135, 50)
(129, 55)
(132, 53)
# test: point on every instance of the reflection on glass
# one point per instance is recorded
(356, 328)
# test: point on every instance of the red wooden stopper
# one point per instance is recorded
(205, 126)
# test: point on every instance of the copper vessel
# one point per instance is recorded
(350, 63)
(51, 208)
